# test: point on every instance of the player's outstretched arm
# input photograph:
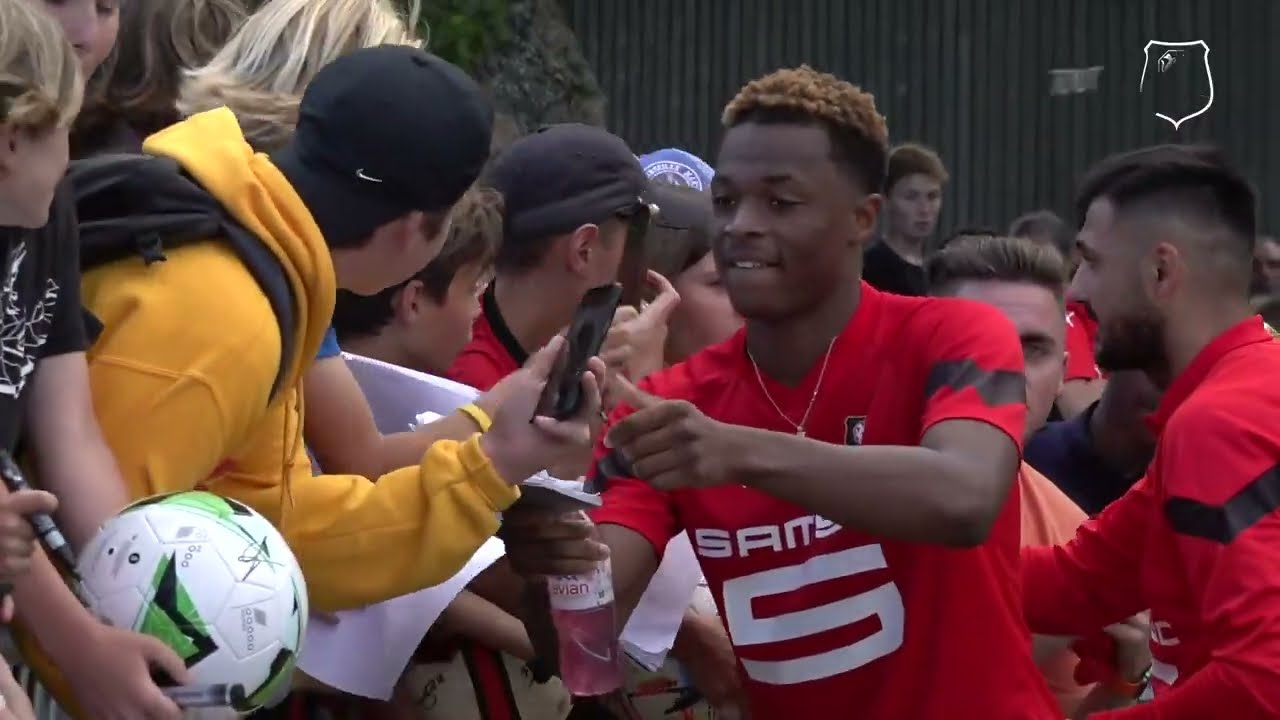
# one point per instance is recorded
(1092, 581)
(1219, 474)
(1242, 614)
(948, 489)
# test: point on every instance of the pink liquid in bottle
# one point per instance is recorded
(582, 610)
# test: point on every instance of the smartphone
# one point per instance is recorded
(633, 270)
(562, 396)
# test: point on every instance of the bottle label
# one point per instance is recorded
(581, 592)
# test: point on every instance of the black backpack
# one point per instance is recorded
(141, 205)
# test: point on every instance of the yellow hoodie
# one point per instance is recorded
(182, 374)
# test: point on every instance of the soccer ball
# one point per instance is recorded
(212, 579)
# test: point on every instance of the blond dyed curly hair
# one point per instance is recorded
(859, 134)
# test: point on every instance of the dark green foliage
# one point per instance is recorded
(464, 32)
(525, 55)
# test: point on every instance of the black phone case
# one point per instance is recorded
(562, 396)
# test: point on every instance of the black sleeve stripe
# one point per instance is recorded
(995, 387)
(1224, 523)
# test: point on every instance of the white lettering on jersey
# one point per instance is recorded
(797, 533)
(746, 629)
(1162, 634)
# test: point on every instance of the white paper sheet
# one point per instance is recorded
(365, 652)
(398, 395)
(651, 630)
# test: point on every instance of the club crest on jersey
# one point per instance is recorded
(853, 429)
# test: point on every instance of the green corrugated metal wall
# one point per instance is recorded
(970, 77)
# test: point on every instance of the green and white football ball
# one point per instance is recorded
(212, 579)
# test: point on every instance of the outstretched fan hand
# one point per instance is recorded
(519, 448)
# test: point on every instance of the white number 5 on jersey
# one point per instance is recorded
(746, 629)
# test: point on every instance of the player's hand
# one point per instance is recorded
(17, 538)
(706, 654)
(110, 674)
(637, 339)
(518, 448)
(541, 543)
(670, 443)
(1133, 646)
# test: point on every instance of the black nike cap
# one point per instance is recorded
(384, 131)
(564, 176)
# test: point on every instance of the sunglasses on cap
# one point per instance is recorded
(633, 271)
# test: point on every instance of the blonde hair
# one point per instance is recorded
(261, 72)
(40, 84)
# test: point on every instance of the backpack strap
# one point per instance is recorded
(141, 206)
(266, 268)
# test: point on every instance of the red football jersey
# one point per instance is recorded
(1195, 541)
(829, 621)
(1082, 332)
(493, 352)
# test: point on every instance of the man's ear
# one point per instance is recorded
(1167, 269)
(866, 216)
(582, 244)
(409, 301)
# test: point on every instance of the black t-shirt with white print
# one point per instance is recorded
(40, 313)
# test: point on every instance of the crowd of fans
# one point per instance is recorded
(1016, 473)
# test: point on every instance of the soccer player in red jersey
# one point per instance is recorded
(845, 466)
(1166, 247)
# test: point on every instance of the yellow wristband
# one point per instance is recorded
(478, 416)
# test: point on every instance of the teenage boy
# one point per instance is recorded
(574, 198)
(913, 200)
(425, 321)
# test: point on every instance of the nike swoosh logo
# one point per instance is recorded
(360, 174)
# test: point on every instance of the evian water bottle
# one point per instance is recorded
(582, 610)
